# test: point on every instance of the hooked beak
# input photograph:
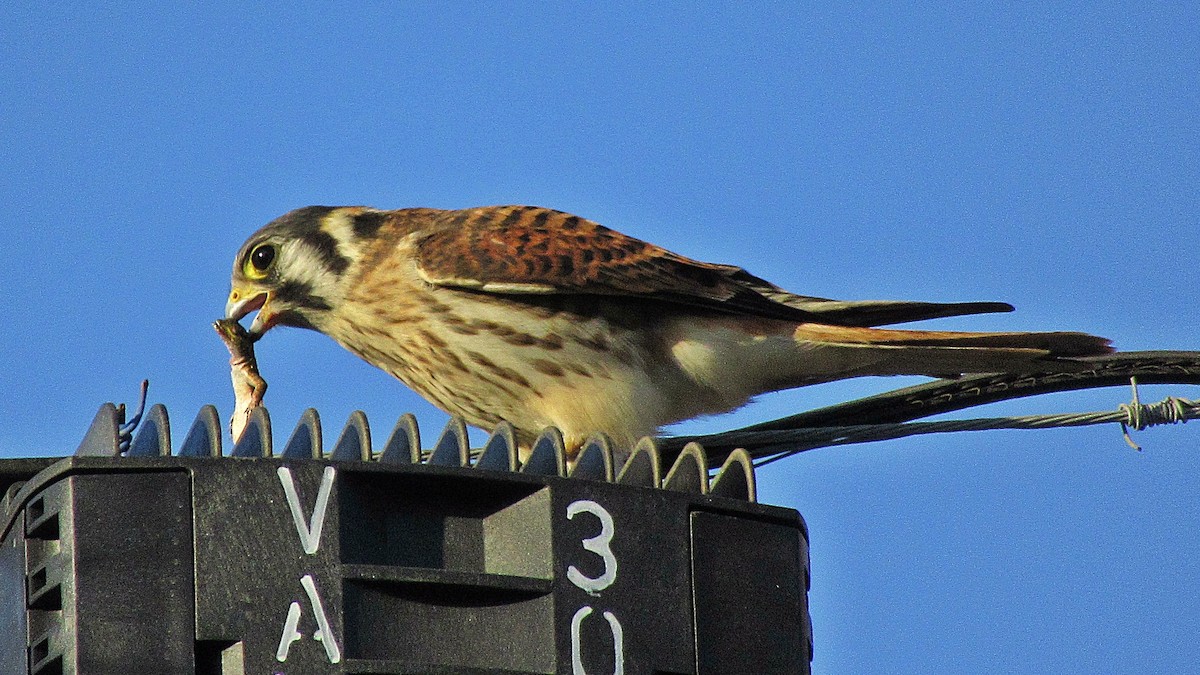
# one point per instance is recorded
(241, 302)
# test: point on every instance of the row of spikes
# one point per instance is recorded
(109, 435)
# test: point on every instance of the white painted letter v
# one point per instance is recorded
(310, 532)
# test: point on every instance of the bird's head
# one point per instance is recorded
(293, 270)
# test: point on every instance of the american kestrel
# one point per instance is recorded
(542, 318)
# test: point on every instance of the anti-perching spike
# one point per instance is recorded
(690, 471)
(154, 435)
(256, 437)
(355, 441)
(204, 438)
(549, 455)
(643, 467)
(595, 460)
(500, 450)
(103, 436)
(305, 441)
(452, 448)
(404, 445)
(735, 478)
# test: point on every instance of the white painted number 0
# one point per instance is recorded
(618, 642)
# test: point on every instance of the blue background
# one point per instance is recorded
(1047, 156)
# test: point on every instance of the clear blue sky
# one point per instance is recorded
(1046, 156)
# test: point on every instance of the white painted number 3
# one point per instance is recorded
(598, 544)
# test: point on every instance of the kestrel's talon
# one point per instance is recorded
(542, 318)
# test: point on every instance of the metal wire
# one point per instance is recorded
(771, 446)
(893, 414)
(125, 431)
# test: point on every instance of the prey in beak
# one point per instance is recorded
(242, 302)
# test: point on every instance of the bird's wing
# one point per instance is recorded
(867, 313)
(532, 250)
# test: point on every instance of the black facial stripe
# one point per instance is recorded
(326, 247)
(300, 294)
(303, 224)
(295, 319)
(368, 223)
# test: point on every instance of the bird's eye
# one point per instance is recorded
(260, 260)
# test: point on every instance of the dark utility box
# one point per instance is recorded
(211, 565)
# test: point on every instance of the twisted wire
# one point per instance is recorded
(771, 446)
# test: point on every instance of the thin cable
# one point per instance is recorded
(772, 446)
